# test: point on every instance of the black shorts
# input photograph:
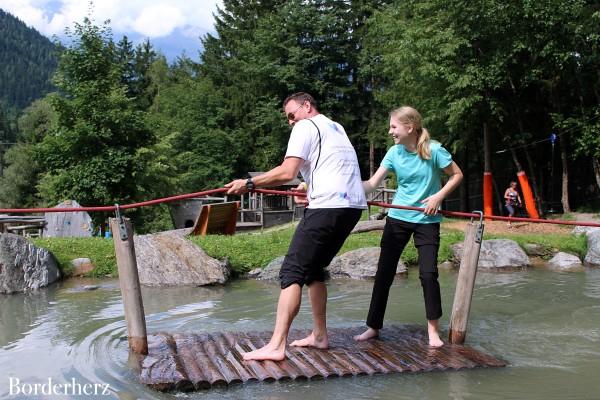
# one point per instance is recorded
(318, 237)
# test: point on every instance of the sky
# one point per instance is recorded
(173, 26)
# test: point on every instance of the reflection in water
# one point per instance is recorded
(458, 386)
(545, 324)
(592, 283)
(20, 312)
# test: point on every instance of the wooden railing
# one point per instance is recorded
(383, 195)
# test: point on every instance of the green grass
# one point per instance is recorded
(249, 251)
(246, 251)
(99, 250)
(374, 211)
(574, 244)
(567, 217)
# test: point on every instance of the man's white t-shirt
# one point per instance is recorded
(330, 168)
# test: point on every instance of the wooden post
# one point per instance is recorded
(261, 211)
(465, 282)
(130, 287)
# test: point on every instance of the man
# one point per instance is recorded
(320, 149)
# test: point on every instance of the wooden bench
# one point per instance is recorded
(32, 230)
(216, 218)
(22, 224)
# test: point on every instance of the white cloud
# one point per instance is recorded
(158, 20)
(149, 18)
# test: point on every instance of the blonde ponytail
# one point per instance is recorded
(410, 116)
(423, 148)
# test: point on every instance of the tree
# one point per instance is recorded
(91, 156)
(510, 66)
(6, 136)
(267, 50)
(18, 184)
(187, 118)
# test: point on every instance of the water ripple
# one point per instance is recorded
(544, 324)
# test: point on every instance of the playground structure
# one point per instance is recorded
(528, 197)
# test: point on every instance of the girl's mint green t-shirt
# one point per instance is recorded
(417, 180)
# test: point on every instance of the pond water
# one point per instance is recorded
(545, 324)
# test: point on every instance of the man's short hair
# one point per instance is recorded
(300, 97)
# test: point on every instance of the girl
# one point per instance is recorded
(417, 162)
(512, 198)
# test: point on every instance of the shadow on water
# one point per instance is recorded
(545, 324)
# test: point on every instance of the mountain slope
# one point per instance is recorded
(27, 62)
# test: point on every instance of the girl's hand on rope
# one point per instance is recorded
(301, 200)
(432, 204)
(237, 187)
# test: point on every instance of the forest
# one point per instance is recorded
(28, 61)
(505, 86)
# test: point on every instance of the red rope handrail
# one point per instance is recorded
(113, 208)
(285, 193)
(451, 213)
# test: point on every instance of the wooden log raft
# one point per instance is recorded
(187, 361)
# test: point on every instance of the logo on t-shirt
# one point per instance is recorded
(336, 127)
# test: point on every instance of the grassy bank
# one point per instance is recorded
(99, 250)
(246, 251)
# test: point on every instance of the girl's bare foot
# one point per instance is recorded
(366, 335)
(265, 353)
(435, 341)
(434, 336)
(320, 342)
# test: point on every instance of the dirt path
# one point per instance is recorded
(585, 217)
(501, 227)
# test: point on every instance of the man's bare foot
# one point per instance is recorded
(366, 335)
(265, 353)
(311, 340)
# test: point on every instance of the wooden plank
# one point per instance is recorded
(216, 218)
(202, 361)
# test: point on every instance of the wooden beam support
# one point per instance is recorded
(465, 282)
(129, 282)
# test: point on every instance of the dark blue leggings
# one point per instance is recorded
(511, 209)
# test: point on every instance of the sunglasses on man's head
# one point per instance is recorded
(291, 115)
